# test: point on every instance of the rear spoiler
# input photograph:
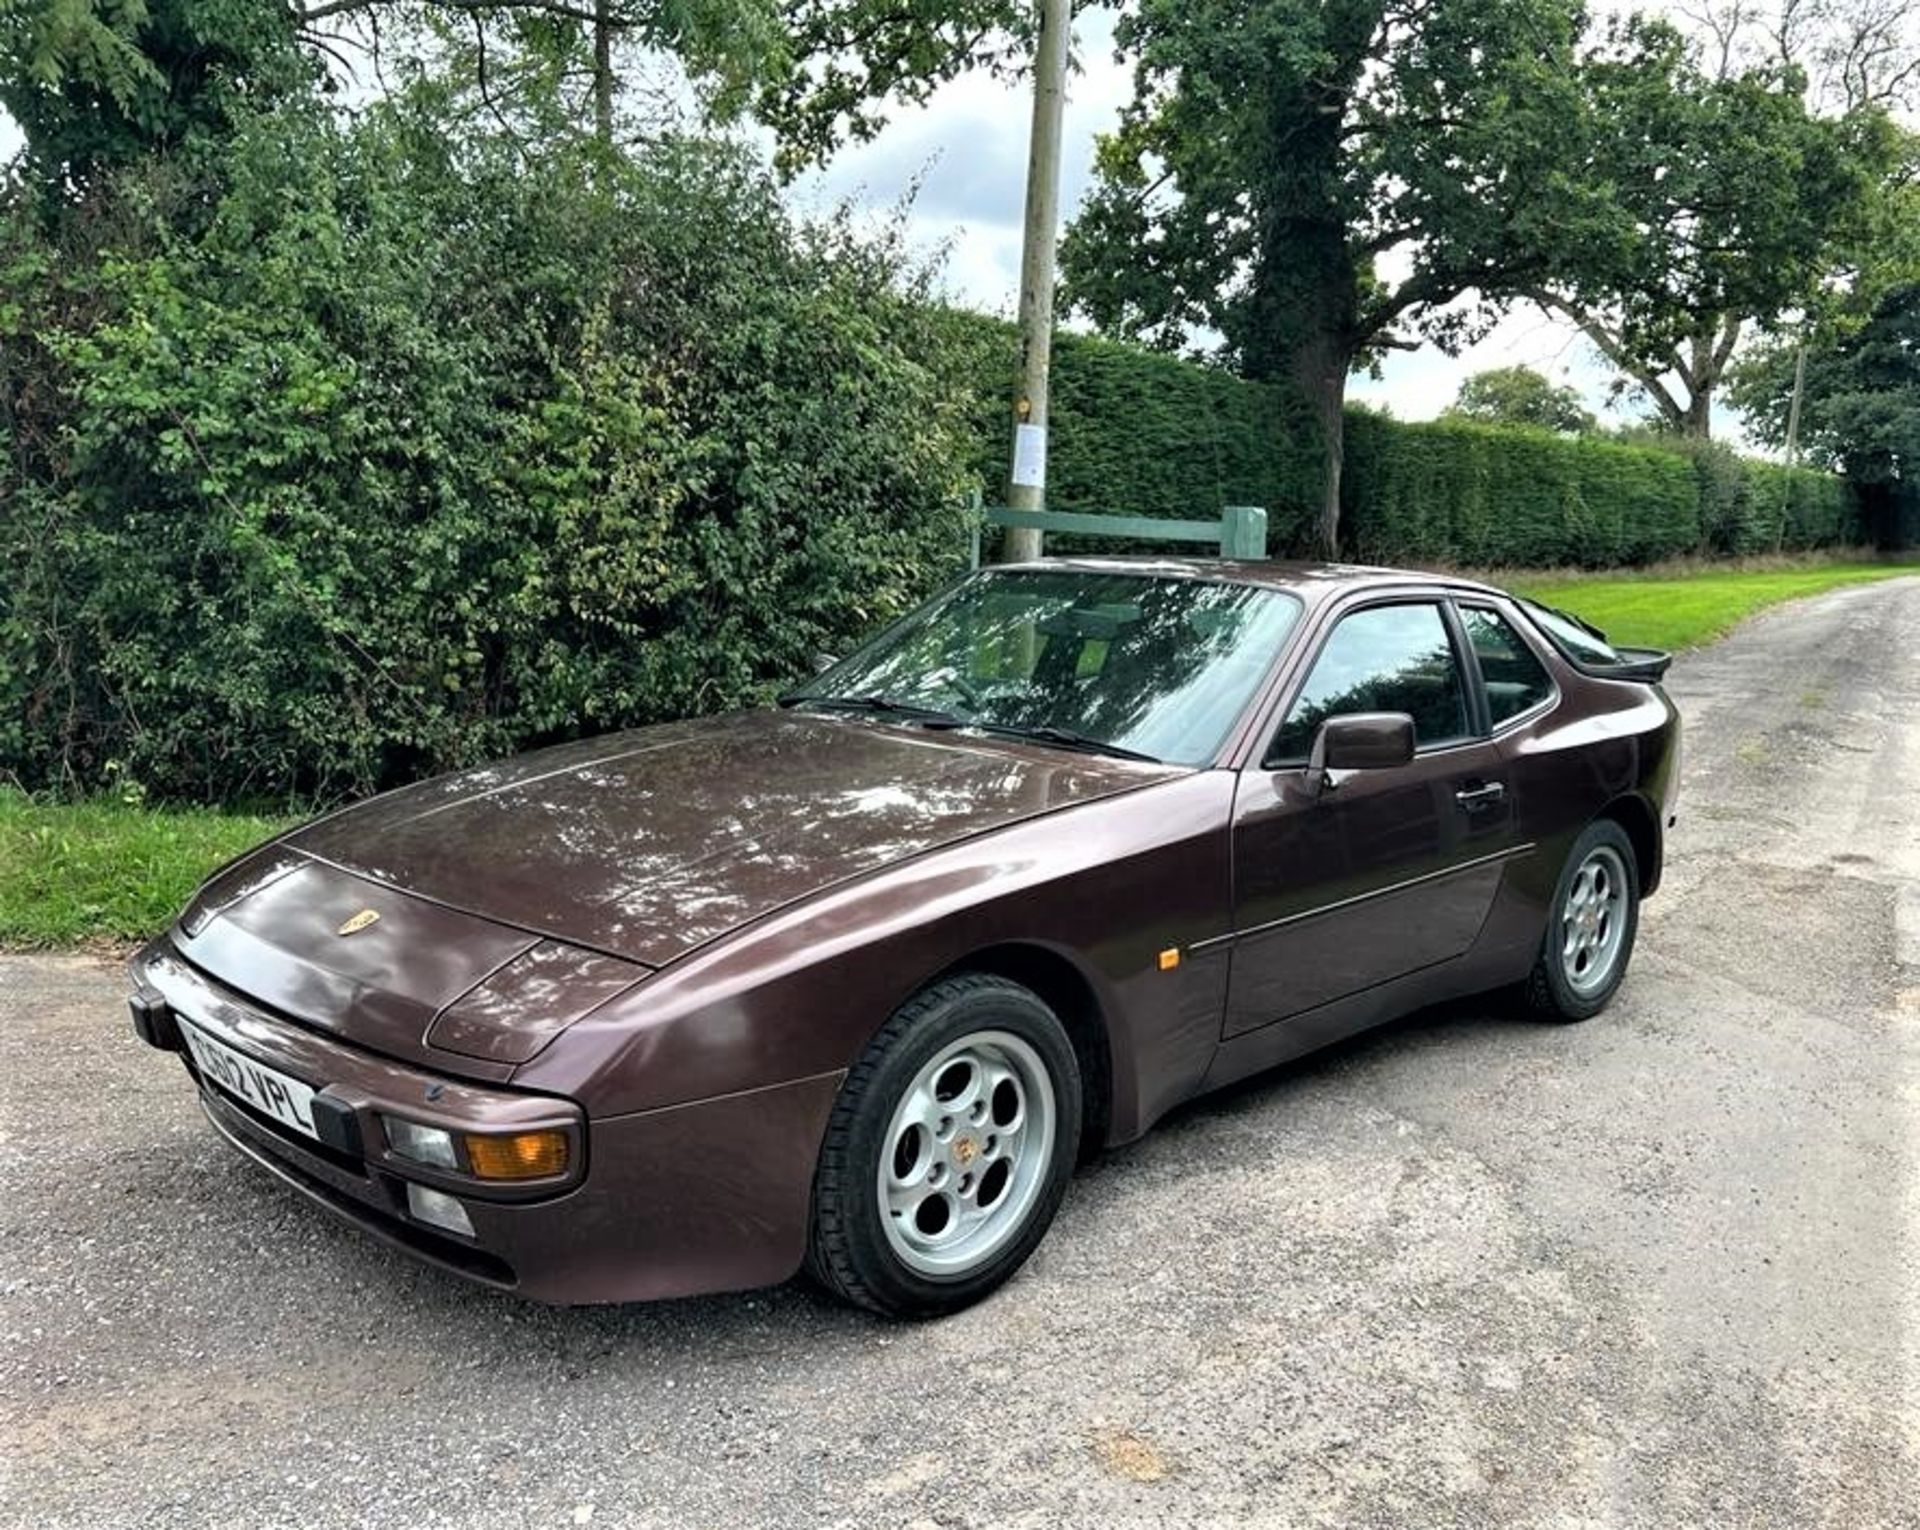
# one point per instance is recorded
(1647, 665)
(1644, 664)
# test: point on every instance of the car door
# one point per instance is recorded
(1376, 874)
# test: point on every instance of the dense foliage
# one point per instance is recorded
(1460, 492)
(1137, 432)
(1299, 185)
(1731, 203)
(369, 456)
(94, 84)
(1861, 403)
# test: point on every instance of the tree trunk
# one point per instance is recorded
(603, 70)
(1299, 331)
(1699, 371)
(1696, 424)
(1320, 373)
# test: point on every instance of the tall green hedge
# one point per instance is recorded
(1458, 492)
(1142, 433)
(359, 454)
(1749, 506)
(357, 450)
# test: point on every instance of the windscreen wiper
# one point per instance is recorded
(935, 717)
(875, 701)
(1066, 738)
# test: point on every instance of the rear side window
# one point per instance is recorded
(1382, 659)
(1515, 677)
(1575, 639)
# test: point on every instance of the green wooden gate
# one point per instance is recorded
(1240, 531)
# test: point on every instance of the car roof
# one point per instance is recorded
(1311, 581)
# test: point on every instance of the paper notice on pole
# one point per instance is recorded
(1030, 456)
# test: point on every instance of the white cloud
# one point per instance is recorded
(967, 149)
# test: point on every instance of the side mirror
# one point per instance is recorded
(1359, 741)
(822, 662)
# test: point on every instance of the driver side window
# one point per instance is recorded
(1384, 659)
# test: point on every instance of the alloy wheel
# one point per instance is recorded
(967, 1153)
(1593, 921)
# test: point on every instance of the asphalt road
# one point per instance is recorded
(1655, 1270)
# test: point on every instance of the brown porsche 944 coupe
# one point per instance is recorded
(851, 983)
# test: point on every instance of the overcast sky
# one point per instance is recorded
(967, 149)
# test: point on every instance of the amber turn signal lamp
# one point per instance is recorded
(520, 1155)
(1169, 959)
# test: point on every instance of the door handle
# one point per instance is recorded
(1471, 797)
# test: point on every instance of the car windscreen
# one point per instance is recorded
(1144, 664)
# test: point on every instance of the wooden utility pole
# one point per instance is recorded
(1027, 481)
(1793, 441)
(1793, 409)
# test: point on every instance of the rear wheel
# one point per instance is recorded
(1589, 936)
(948, 1150)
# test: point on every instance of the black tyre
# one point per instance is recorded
(1590, 931)
(948, 1150)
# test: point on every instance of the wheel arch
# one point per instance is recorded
(1065, 989)
(1642, 827)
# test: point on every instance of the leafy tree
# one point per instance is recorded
(519, 57)
(1521, 396)
(847, 58)
(95, 83)
(1277, 152)
(1731, 204)
(1860, 411)
(818, 72)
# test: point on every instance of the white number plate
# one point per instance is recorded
(272, 1093)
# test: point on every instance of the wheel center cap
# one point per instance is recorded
(964, 1151)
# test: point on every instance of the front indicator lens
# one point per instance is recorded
(521, 1155)
(423, 1144)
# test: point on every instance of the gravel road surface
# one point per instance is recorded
(1657, 1270)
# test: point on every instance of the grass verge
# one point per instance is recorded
(74, 872)
(1657, 609)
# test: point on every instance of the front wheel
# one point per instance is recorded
(948, 1150)
(1589, 936)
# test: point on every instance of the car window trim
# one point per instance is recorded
(1518, 629)
(1479, 708)
(1406, 596)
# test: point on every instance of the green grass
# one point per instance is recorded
(1662, 611)
(107, 871)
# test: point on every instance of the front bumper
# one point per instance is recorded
(706, 1196)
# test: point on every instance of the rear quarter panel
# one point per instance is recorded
(1607, 745)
